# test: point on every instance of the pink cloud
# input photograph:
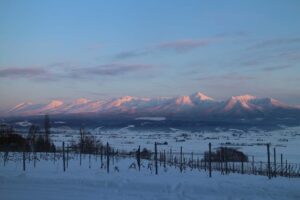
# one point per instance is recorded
(179, 46)
(111, 69)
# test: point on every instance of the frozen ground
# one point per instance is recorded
(48, 181)
(252, 142)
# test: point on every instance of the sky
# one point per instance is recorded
(65, 49)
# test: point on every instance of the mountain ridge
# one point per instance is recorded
(196, 104)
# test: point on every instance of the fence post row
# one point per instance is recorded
(223, 160)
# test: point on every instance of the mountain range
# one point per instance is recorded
(194, 105)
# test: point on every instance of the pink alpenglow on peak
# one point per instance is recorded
(239, 100)
(184, 100)
(81, 101)
(54, 104)
(122, 100)
(197, 103)
(202, 97)
(20, 106)
(246, 97)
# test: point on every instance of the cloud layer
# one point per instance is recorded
(177, 46)
(22, 72)
(47, 73)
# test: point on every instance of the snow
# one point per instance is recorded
(184, 100)
(81, 101)
(151, 118)
(130, 104)
(24, 123)
(20, 106)
(121, 101)
(251, 142)
(52, 105)
(48, 181)
(201, 97)
(242, 100)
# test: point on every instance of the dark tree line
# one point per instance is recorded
(11, 141)
(36, 140)
(223, 154)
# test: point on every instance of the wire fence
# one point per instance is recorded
(206, 161)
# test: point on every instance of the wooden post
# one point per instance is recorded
(281, 164)
(67, 156)
(261, 168)
(139, 158)
(253, 171)
(34, 158)
(24, 165)
(192, 159)
(64, 162)
(96, 155)
(164, 157)
(204, 163)
(107, 156)
(225, 159)
(221, 160)
(5, 155)
(286, 168)
(242, 167)
(209, 158)
(171, 156)
(181, 157)
(90, 160)
(54, 156)
(101, 154)
(80, 155)
(275, 171)
(160, 158)
(155, 158)
(269, 164)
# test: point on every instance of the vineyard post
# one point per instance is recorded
(155, 158)
(275, 171)
(181, 159)
(281, 164)
(64, 162)
(24, 165)
(209, 159)
(253, 170)
(107, 156)
(269, 164)
(139, 158)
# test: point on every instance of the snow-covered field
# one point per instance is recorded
(48, 181)
(252, 142)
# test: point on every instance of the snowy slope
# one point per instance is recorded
(48, 181)
(195, 104)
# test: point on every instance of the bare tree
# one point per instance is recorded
(47, 127)
(32, 135)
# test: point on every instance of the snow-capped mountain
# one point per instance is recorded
(196, 104)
